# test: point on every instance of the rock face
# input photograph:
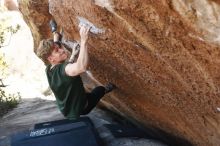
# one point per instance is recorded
(163, 55)
(11, 5)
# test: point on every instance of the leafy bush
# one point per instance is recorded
(7, 101)
(6, 29)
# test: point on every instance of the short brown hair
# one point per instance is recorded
(44, 49)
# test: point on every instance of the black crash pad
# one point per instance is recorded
(59, 133)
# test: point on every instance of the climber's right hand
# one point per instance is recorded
(84, 31)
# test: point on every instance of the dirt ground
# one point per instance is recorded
(36, 110)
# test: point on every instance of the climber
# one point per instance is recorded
(64, 76)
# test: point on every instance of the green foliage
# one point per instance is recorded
(6, 30)
(3, 66)
(7, 101)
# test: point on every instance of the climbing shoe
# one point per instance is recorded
(109, 87)
(53, 25)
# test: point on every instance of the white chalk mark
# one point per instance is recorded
(94, 29)
(105, 4)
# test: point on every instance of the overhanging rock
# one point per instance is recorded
(163, 55)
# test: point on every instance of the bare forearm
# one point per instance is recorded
(55, 36)
(80, 65)
(83, 58)
(75, 50)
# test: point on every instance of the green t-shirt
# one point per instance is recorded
(69, 91)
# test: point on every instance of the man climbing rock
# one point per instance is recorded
(64, 76)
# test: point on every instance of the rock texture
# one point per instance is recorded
(11, 5)
(163, 55)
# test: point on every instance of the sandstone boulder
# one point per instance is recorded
(164, 56)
